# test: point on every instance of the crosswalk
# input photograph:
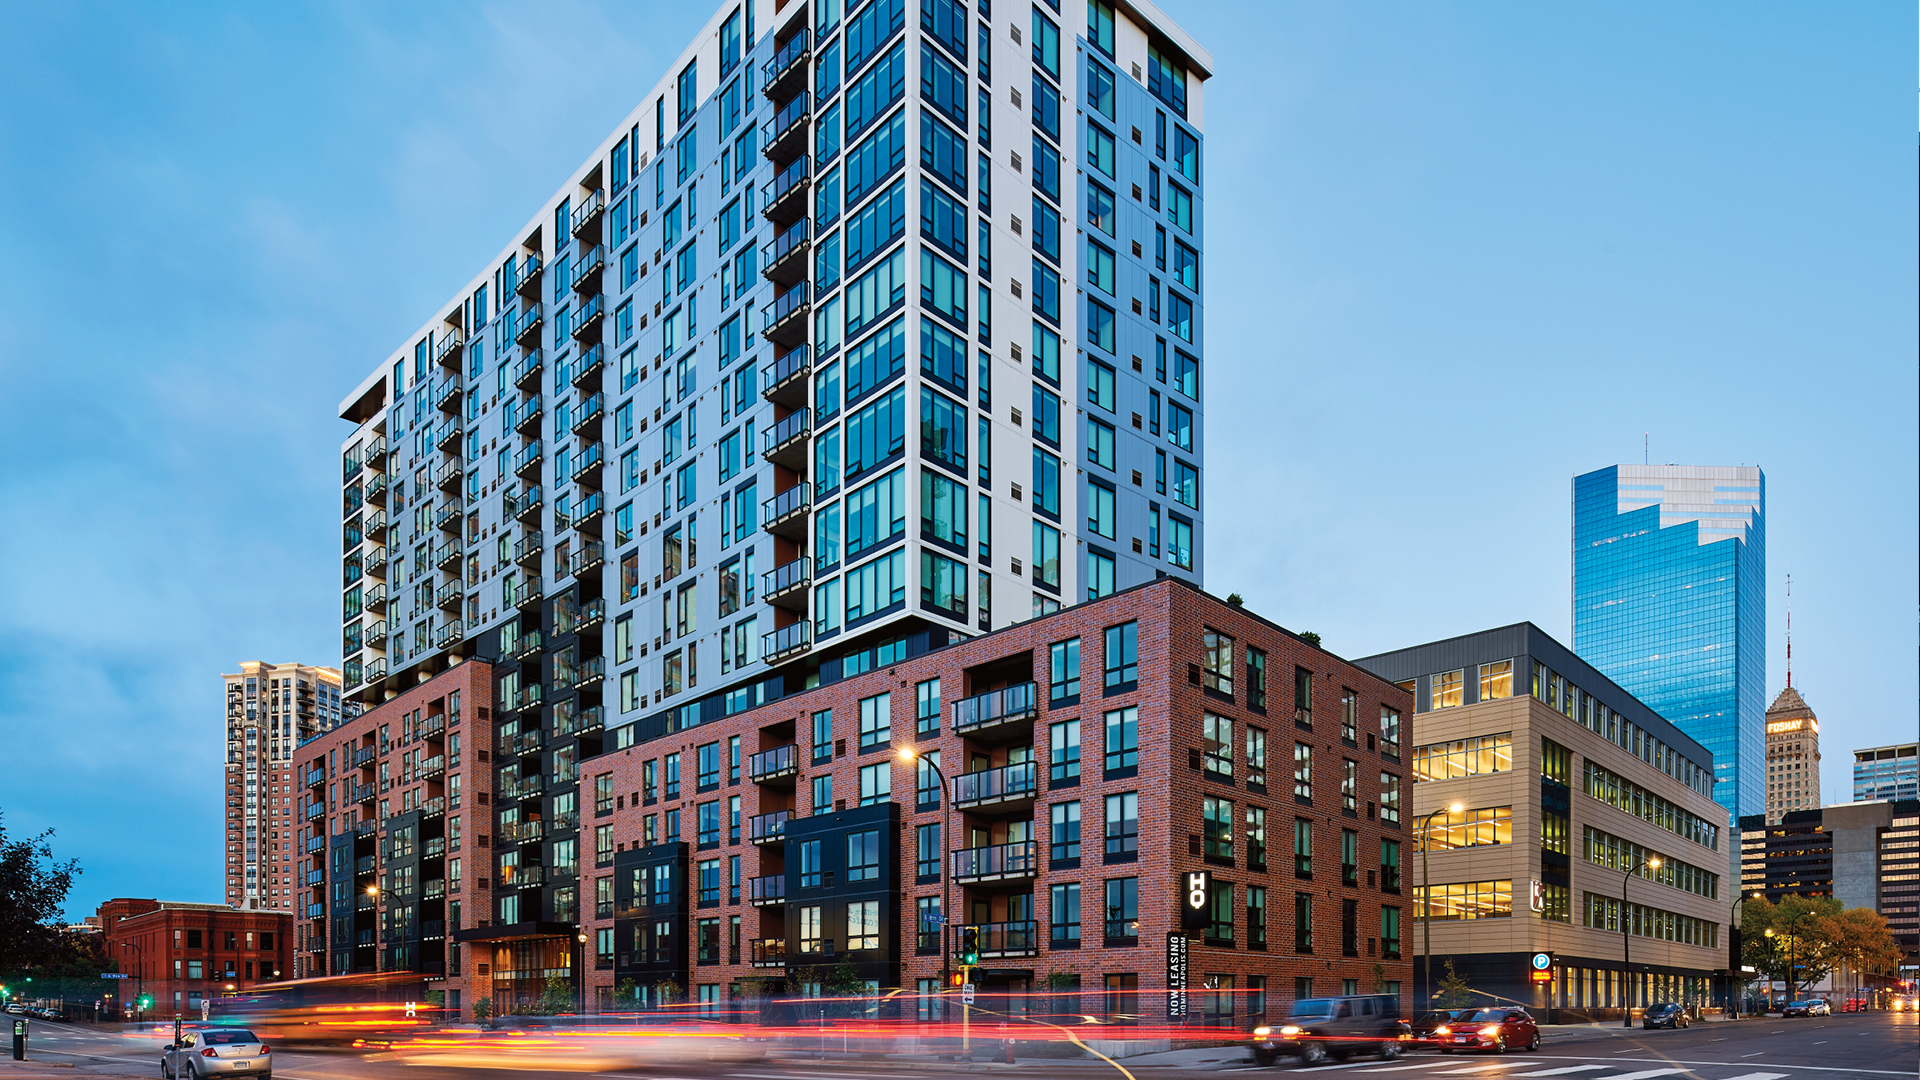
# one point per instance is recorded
(1540, 1067)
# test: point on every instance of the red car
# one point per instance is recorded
(1498, 1030)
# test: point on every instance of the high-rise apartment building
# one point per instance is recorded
(873, 323)
(271, 708)
(1887, 772)
(1669, 601)
(1793, 756)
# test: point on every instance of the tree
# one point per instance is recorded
(1453, 991)
(33, 889)
(1811, 937)
(1859, 937)
(482, 1008)
(1379, 978)
(1310, 637)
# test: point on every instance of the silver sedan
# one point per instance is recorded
(216, 1052)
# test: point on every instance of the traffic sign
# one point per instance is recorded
(114, 975)
(966, 994)
(1541, 961)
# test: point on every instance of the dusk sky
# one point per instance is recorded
(1458, 254)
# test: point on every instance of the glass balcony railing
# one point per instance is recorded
(790, 54)
(1016, 860)
(768, 828)
(1004, 784)
(791, 115)
(1007, 705)
(786, 641)
(777, 763)
(795, 175)
(763, 891)
(791, 430)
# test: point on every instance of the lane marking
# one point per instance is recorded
(1563, 1072)
(1404, 1068)
(1648, 1074)
(1496, 1065)
(1758, 1076)
(1804, 1068)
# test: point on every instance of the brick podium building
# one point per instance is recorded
(183, 954)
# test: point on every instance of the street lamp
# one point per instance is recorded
(1425, 836)
(1733, 970)
(1626, 937)
(908, 754)
(580, 973)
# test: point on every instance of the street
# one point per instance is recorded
(1864, 1046)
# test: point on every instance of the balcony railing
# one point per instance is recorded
(787, 641)
(432, 767)
(448, 633)
(587, 511)
(450, 595)
(768, 828)
(589, 318)
(1009, 705)
(1010, 939)
(590, 672)
(529, 592)
(314, 810)
(786, 441)
(569, 719)
(526, 374)
(447, 392)
(785, 381)
(1008, 783)
(782, 193)
(448, 519)
(782, 259)
(591, 411)
(447, 353)
(586, 370)
(589, 212)
(788, 582)
(434, 807)
(575, 618)
(377, 635)
(527, 328)
(768, 952)
(376, 563)
(787, 506)
(773, 73)
(767, 891)
(788, 123)
(584, 275)
(317, 776)
(530, 268)
(530, 545)
(525, 417)
(590, 555)
(448, 437)
(779, 763)
(998, 862)
(527, 504)
(447, 556)
(376, 486)
(447, 476)
(785, 321)
(590, 459)
(528, 645)
(376, 450)
(528, 459)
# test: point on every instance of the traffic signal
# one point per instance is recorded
(145, 1001)
(969, 945)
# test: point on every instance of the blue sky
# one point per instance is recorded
(1457, 253)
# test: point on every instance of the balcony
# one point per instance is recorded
(998, 715)
(434, 807)
(316, 843)
(588, 216)
(788, 131)
(432, 767)
(449, 632)
(787, 70)
(316, 777)
(314, 810)
(527, 331)
(526, 506)
(376, 487)
(588, 511)
(785, 381)
(377, 635)
(530, 268)
(590, 556)
(768, 952)
(591, 314)
(314, 877)
(586, 276)
(526, 742)
(363, 793)
(447, 353)
(587, 468)
(770, 828)
(450, 472)
(776, 766)
(316, 911)
(528, 645)
(785, 586)
(1000, 862)
(785, 443)
(362, 756)
(446, 395)
(376, 524)
(524, 788)
(784, 195)
(578, 618)
(783, 259)
(375, 451)
(376, 669)
(528, 549)
(1009, 789)
(785, 323)
(1009, 939)
(447, 557)
(528, 460)
(528, 593)
(525, 418)
(591, 412)
(526, 374)
(376, 565)
(586, 371)
(590, 673)
(448, 437)
(448, 518)
(786, 513)
(767, 891)
(569, 719)
(788, 641)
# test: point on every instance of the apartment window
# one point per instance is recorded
(876, 782)
(1390, 865)
(1216, 735)
(1390, 933)
(1123, 826)
(708, 763)
(709, 873)
(823, 735)
(1302, 848)
(1256, 838)
(1349, 716)
(1122, 657)
(1256, 679)
(1064, 832)
(1349, 785)
(1217, 822)
(1350, 928)
(1446, 829)
(1123, 739)
(810, 923)
(1389, 799)
(1303, 772)
(1303, 922)
(876, 721)
(1556, 762)
(1390, 731)
(863, 925)
(863, 855)
(1063, 666)
(1448, 689)
(1123, 912)
(1063, 916)
(1217, 663)
(928, 922)
(1349, 857)
(1496, 680)
(810, 860)
(1063, 743)
(927, 852)
(823, 794)
(1256, 760)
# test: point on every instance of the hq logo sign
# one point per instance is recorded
(1194, 889)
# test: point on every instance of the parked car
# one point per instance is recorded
(1320, 1028)
(1667, 1014)
(1498, 1030)
(1423, 1025)
(216, 1052)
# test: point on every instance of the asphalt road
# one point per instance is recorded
(1867, 1046)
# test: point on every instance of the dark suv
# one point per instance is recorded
(1319, 1028)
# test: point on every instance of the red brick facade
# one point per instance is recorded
(1172, 779)
(421, 761)
(182, 954)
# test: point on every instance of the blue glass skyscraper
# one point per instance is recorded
(1669, 601)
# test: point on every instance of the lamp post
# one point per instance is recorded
(580, 972)
(907, 753)
(1733, 970)
(1626, 939)
(1425, 836)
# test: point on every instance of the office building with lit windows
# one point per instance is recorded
(1669, 600)
(1542, 792)
(271, 709)
(1887, 772)
(872, 328)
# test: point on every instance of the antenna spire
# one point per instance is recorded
(1789, 631)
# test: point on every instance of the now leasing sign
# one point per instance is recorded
(1176, 975)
